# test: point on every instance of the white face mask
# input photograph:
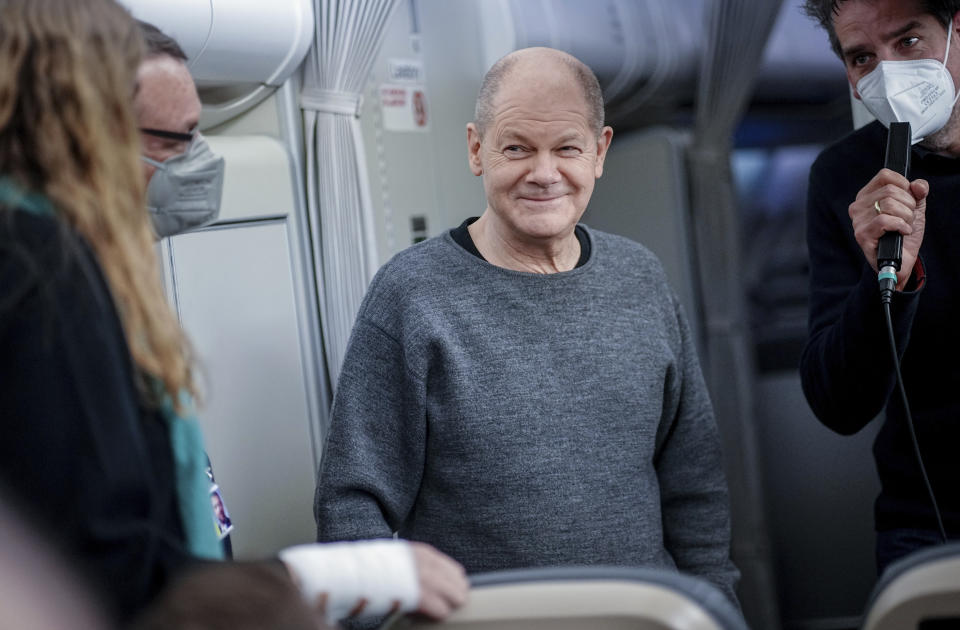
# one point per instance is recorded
(920, 92)
(184, 192)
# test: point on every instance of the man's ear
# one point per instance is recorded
(603, 143)
(473, 149)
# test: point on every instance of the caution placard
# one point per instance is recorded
(404, 107)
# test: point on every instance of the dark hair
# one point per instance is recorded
(823, 11)
(160, 44)
(582, 75)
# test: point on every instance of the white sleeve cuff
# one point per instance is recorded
(381, 571)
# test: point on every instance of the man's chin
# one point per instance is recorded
(539, 228)
(936, 142)
(946, 139)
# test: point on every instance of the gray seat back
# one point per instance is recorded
(921, 590)
(579, 598)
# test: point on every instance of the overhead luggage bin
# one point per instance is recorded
(234, 41)
(238, 51)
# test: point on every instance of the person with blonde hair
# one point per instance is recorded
(99, 441)
(89, 349)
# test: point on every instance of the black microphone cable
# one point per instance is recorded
(909, 417)
(897, 159)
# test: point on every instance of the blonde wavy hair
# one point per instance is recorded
(68, 131)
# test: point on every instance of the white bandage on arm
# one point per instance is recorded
(380, 571)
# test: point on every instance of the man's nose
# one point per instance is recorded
(545, 169)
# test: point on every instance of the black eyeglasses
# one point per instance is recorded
(169, 135)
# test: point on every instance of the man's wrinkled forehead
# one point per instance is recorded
(166, 97)
(540, 77)
(862, 25)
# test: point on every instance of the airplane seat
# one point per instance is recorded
(580, 598)
(918, 592)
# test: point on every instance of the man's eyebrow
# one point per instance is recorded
(571, 136)
(853, 51)
(858, 49)
(510, 135)
(903, 30)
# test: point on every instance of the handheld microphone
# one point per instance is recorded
(890, 249)
(889, 252)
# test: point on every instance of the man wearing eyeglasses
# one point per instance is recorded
(184, 177)
(184, 184)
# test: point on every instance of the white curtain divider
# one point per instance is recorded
(737, 35)
(347, 39)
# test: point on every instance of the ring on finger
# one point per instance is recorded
(876, 206)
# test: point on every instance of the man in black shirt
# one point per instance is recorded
(897, 54)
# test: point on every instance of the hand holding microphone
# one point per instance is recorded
(891, 204)
(897, 247)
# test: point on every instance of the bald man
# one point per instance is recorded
(523, 390)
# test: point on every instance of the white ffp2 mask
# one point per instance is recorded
(920, 92)
(184, 192)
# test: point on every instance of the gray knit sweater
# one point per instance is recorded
(516, 419)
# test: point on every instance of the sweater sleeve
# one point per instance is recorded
(77, 454)
(693, 489)
(373, 460)
(846, 367)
